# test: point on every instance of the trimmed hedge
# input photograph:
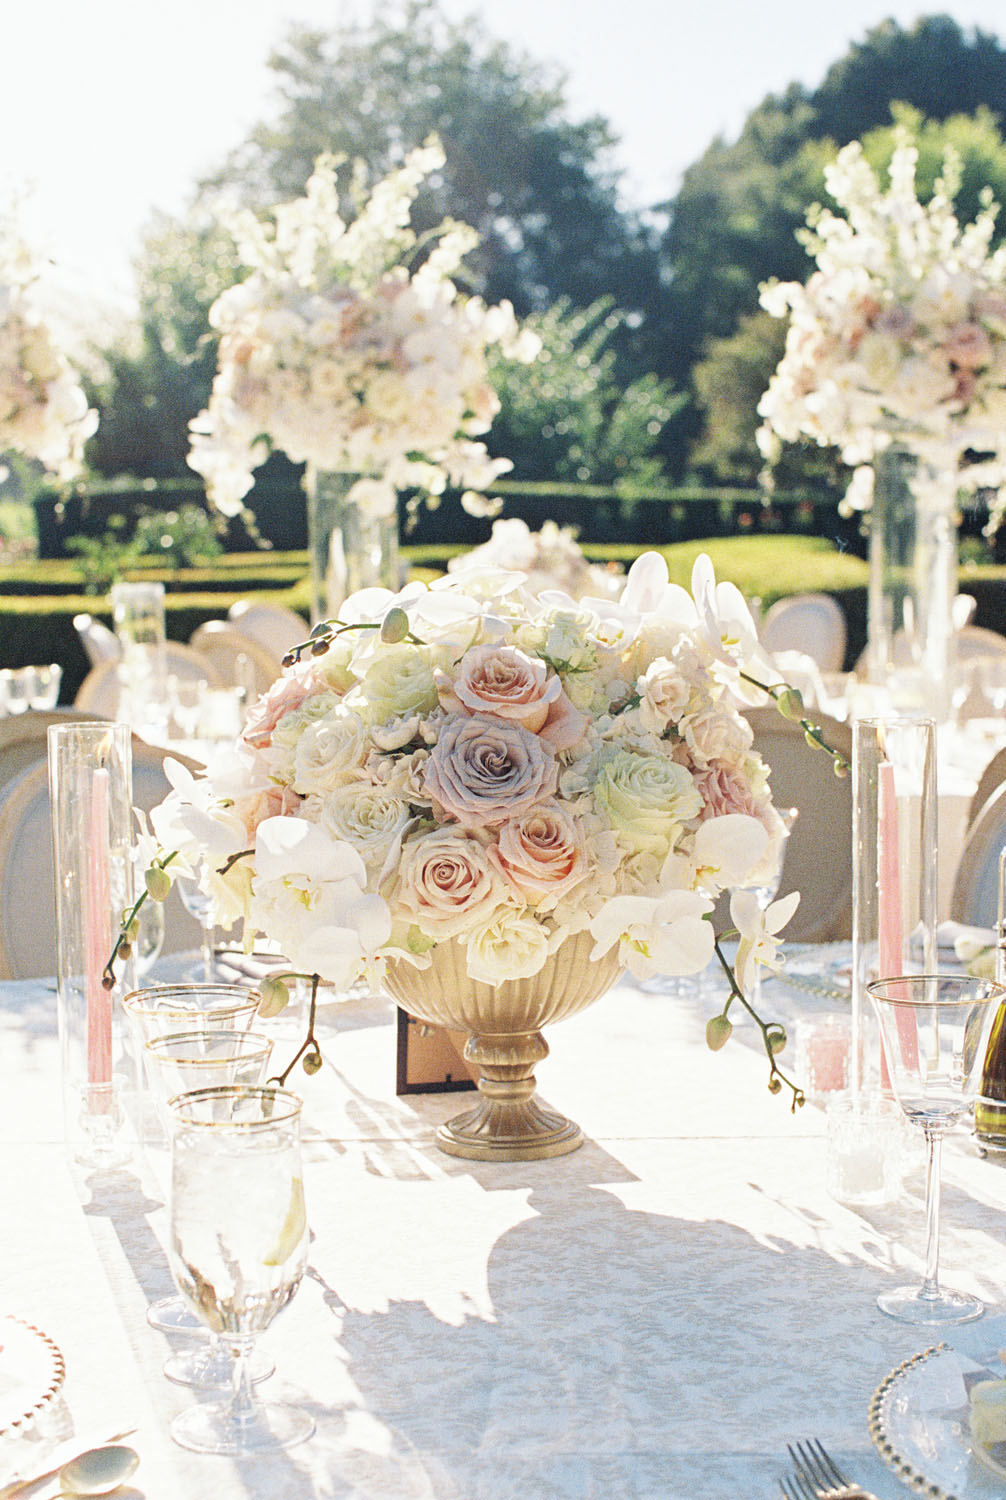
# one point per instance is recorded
(38, 627)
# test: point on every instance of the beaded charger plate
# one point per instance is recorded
(919, 1424)
(31, 1373)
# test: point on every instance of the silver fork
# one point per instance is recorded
(817, 1476)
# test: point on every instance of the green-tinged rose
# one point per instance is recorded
(275, 997)
(399, 682)
(647, 798)
(158, 883)
(718, 1032)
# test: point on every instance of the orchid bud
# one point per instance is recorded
(775, 1084)
(275, 997)
(776, 1038)
(312, 1063)
(395, 626)
(158, 883)
(790, 703)
(718, 1032)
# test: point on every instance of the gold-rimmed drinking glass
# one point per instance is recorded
(238, 1248)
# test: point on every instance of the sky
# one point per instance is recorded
(114, 108)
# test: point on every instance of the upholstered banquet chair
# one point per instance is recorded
(99, 693)
(975, 898)
(237, 660)
(270, 625)
(811, 623)
(818, 858)
(27, 902)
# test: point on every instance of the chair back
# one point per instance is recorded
(818, 856)
(811, 623)
(975, 898)
(237, 659)
(270, 625)
(99, 642)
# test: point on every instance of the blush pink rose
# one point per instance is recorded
(725, 789)
(967, 346)
(288, 692)
(274, 802)
(482, 771)
(445, 882)
(541, 854)
(505, 683)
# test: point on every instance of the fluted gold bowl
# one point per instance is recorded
(503, 1023)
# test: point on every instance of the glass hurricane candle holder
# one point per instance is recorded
(91, 793)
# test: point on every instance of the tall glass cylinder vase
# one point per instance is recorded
(913, 582)
(139, 617)
(351, 546)
(91, 794)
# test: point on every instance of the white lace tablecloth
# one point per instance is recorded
(651, 1318)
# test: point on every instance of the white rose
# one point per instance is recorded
(648, 798)
(511, 945)
(715, 734)
(366, 816)
(398, 683)
(329, 752)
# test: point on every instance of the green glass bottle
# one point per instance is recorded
(990, 1106)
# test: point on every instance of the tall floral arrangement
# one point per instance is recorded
(474, 763)
(348, 352)
(43, 410)
(899, 335)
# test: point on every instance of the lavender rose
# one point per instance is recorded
(482, 771)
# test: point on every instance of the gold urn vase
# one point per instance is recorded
(504, 1022)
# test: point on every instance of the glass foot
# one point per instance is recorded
(212, 1429)
(909, 1305)
(211, 1367)
(173, 1315)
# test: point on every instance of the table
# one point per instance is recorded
(651, 1318)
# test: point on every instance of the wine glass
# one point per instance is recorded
(238, 1247)
(199, 905)
(766, 893)
(935, 1033)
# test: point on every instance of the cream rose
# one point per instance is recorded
(715, 734)
(445, 883)
(541, 854)
(328, 753)
(511, 945)
(482, 771)
(368, 817)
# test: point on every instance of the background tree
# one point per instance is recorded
(537, 187)
(734, 222)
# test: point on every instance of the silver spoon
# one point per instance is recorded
(98, 1471)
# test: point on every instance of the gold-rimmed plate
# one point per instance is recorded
(31, 1373)
(919, 1423)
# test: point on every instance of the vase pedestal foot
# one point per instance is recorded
(494, 1132)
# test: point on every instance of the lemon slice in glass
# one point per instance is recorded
(293, 1227)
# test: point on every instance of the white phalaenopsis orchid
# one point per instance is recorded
(758, 928)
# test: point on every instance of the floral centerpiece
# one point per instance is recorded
(549, 559)
(470, 764)
(899, 335)
(43, 410)
(343, 352)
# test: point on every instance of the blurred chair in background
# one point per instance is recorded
(810, 623)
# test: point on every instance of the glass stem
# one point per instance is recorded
(207, 953)
(934, 1153)
(242, 1407)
